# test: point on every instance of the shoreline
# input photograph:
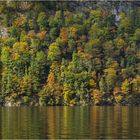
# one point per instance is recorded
(105, 100)
(93, 105)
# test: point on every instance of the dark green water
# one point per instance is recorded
(69, 122)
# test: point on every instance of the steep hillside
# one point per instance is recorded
(70, 53)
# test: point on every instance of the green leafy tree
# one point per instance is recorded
(42, 21)
(54, 52)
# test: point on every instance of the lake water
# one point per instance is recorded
(69, 122)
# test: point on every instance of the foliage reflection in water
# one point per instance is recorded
(70, 122)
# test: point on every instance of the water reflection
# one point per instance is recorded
(69, 122)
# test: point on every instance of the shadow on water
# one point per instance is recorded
(69, 122)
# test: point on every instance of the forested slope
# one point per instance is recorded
(69, 53)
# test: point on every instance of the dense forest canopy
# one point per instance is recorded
(69, 53)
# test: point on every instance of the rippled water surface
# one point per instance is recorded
(70, 122)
